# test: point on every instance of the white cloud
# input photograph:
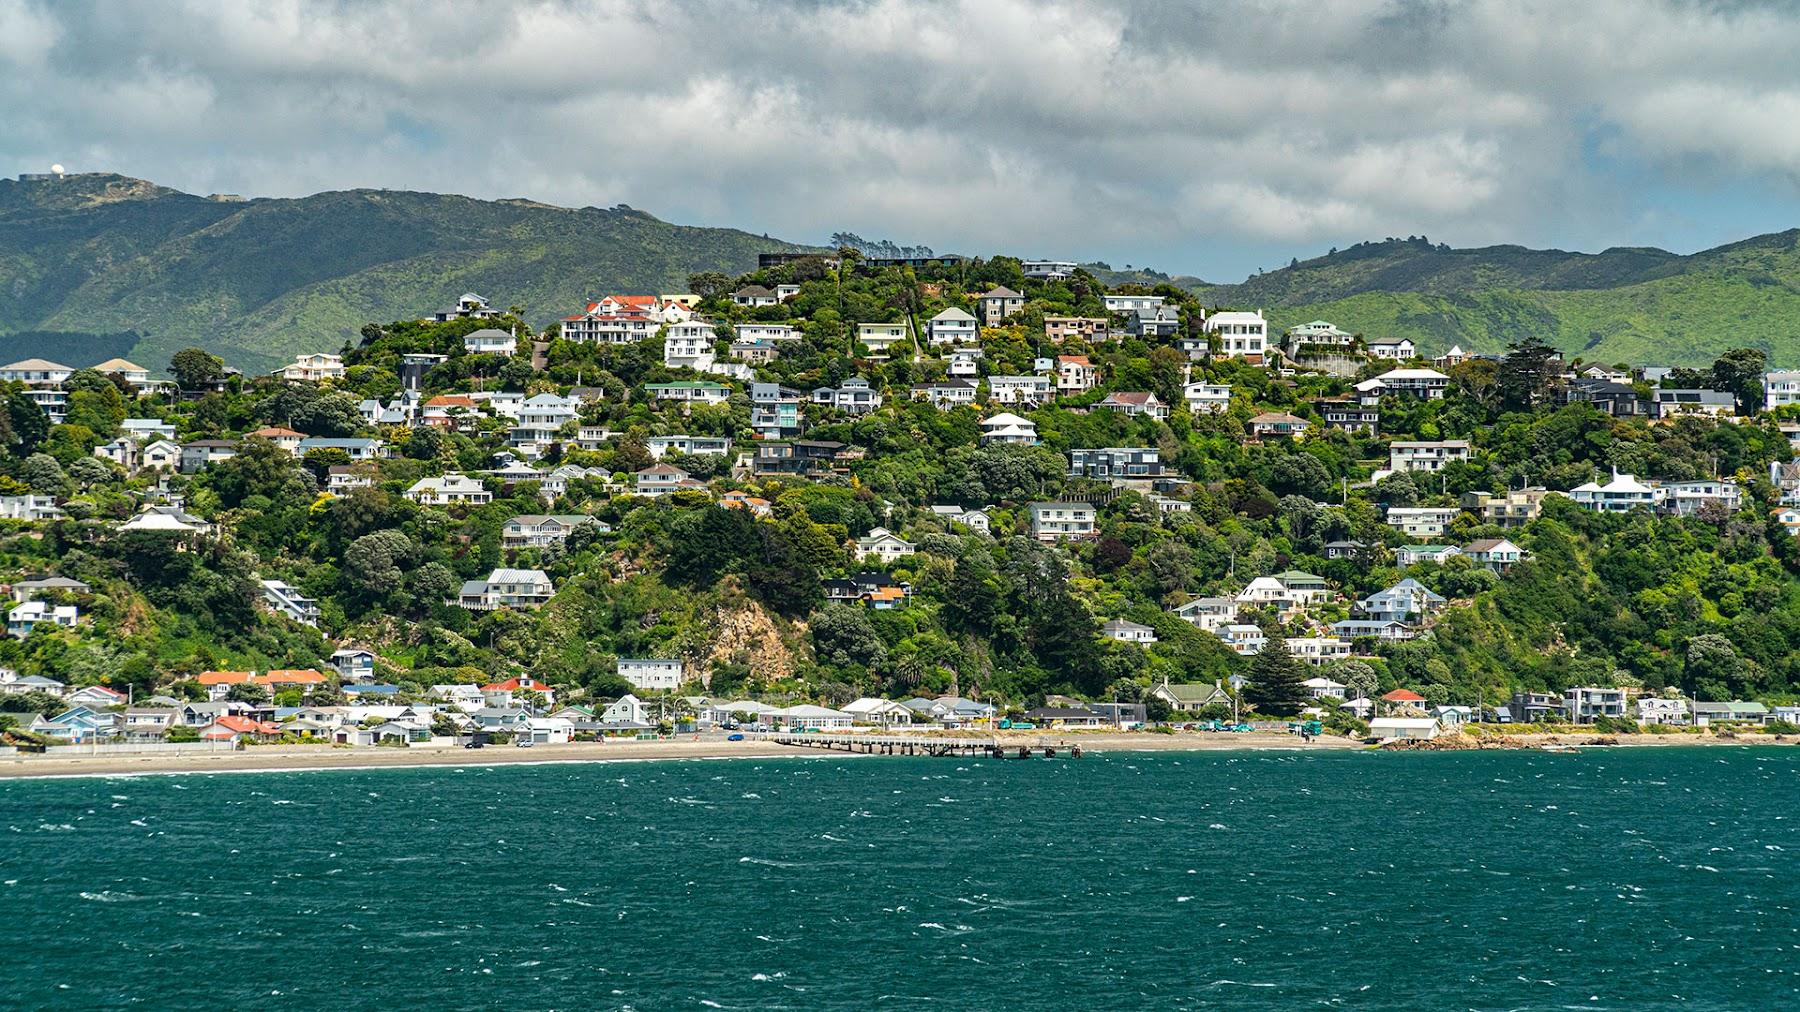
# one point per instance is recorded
(1062, 128)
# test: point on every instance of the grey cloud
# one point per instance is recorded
(1148, 132)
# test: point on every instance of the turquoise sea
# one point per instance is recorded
(1628, 879)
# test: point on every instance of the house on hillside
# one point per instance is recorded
(506, 588)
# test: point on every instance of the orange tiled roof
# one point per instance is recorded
(301, 676)
(223, 677)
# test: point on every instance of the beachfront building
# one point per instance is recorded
(651, 674)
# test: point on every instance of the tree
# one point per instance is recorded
(1528, 373)
(1358, 678)
(1714, 668)
(196, 368)
(372, 562)
(244, 692)
(1275, 685)
(30, 426)
(43, 474)
(843, 636)
(1739, 372)
(425, 442)
(708, 284)
(516, 374)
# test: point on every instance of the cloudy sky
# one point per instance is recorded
(1213, 141)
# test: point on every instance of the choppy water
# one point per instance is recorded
(1621, 880)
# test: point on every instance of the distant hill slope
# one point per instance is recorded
(258, 280)
(106, 261)
(1639, 305)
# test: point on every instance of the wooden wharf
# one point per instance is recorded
(920, 745)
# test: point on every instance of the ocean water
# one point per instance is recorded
(1628, 879)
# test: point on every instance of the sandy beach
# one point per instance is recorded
(301, 758)
(269, 758)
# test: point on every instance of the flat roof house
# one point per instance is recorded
(658, 674)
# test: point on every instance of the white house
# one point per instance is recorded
(1053, 521)
(651, 673)
(879, 337)
(627, 712)
(1395, 728)
(1208, 614)
(1205, 398)
(27, 616)
(1020, 389)
(1622, 494)
(974, 520)
(1008, 429)
(313, 368)
(661, 479)
(1497, 554)
(1244, 640)
(1426, 456)
(879, 712)
(1125, 305)
(1128, 632)
(490, 341)
(700, 392)
(1425, 384)
(1396, 349)
(883, 545)
(689, 345)
(1653, 710)
(1421, 521)
(1238, 335)
(1318, 650)
(1781, 388)
(953, 326)
(507, 588)
(449, 488)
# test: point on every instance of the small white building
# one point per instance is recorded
(1403, 728)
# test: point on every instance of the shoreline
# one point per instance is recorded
(319, 758)
(313, 758)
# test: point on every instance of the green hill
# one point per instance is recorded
(1640, 305)
(107, 261)
(257, 280)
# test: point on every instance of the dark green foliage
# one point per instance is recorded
(1275, 687)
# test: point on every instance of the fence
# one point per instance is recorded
(143, 748)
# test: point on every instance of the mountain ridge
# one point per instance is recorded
(258, 279)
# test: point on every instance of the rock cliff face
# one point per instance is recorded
(743, 628)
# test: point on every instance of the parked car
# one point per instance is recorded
(524, 741)
(734, 737)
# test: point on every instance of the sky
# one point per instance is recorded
(1213, 139)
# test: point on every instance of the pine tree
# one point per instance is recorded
(1275, 678)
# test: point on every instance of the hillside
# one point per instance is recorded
(257, 280)
(1639, 305)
